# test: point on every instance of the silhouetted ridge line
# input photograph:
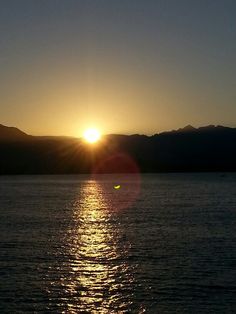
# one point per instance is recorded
(11, 133)
(210, 148)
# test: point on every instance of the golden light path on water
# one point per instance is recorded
(102, 278)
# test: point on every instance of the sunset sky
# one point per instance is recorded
(123, 66)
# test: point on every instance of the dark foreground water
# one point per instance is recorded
(162, 244)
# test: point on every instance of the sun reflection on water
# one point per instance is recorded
(101, 278)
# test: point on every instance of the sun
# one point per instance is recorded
(91, 135)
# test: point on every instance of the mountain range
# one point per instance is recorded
(209, 148)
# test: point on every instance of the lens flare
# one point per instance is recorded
(121, 180)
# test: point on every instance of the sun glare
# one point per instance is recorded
(91, 135)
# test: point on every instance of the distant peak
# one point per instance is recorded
(187, 128)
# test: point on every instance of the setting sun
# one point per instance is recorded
(92, 135)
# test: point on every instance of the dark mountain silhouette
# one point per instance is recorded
(210, 148)
(187, 128)
(11, 133)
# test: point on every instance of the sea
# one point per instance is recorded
(152, 243)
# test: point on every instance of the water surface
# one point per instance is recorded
(72, 244)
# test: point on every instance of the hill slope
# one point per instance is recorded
(11, 133)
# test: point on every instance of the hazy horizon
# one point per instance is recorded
(106, 134)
